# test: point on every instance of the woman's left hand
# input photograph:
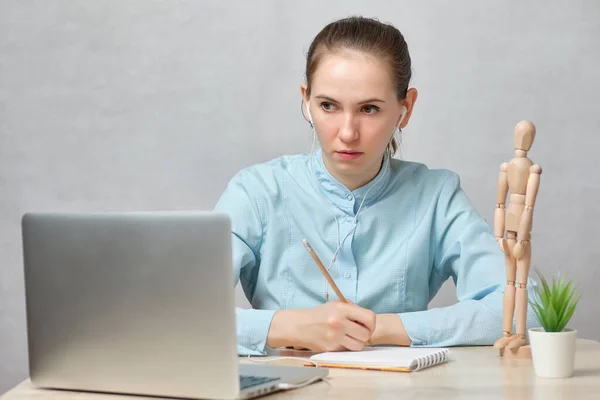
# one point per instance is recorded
(389, 330)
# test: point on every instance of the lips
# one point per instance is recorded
(348, 155)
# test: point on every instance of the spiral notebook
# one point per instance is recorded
(397, 359)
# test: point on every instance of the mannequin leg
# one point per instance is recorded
(509, 292)
(522, 298)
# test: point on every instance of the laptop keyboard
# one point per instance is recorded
(247, 381)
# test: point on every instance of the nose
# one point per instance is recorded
(348, 131)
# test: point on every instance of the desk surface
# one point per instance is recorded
(471, 372)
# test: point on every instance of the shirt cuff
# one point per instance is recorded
(252, 330)
(415, 325)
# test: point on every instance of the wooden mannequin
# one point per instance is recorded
(521, 177)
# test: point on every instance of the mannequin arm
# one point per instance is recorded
(500, 212)
(525, 225)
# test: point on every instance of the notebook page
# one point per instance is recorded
(403, 357)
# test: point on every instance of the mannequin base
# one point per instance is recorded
(523, 352)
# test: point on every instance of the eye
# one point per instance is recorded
(370, 109)
(327, 106)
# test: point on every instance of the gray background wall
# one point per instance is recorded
(137, 105)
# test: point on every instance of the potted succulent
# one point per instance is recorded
(553, 344)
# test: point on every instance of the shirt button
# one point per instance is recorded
(253, 347)
(349, 197)
(349, 219)
(347, 275)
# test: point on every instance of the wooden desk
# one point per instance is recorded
(472, 373)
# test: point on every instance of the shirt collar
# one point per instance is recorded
(343, 197)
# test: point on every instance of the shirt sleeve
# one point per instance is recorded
(466, 250)
(252, 326)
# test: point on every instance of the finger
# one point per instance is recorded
(352, 344)
(357, 331)
(362, 316)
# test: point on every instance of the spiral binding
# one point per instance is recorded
(430, 360)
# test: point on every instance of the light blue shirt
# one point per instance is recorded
(416, 229)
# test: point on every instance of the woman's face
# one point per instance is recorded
(355, 111)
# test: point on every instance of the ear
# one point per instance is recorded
(303, 92)
(409, 102)
(304, 95)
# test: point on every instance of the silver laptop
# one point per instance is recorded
(138, 303)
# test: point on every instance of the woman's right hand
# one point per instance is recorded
(333, 326)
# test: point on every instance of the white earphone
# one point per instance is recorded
(310, 121)
(341, 242)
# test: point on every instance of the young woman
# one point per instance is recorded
(391, 232)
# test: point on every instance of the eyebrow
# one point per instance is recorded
(371, 100)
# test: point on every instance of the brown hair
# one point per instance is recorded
(370, 36)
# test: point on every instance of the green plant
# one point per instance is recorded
(556, 303)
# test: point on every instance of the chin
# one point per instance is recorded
(350, 167)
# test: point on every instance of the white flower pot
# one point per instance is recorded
(553, 353)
